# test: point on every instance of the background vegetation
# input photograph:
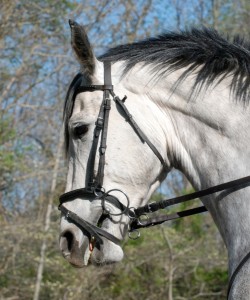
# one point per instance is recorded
(180, 260)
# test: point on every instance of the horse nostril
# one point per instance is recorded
(67, 241)
(72, 249)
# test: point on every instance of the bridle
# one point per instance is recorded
(95, 190)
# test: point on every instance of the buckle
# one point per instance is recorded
(98, 191)
(107, 104)
(149, 206)
(134, 235)
(99, 122)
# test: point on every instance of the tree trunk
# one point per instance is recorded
(40, 268)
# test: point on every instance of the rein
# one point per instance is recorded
(95, 190)
(155, 206)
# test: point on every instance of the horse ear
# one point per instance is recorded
(82, 48)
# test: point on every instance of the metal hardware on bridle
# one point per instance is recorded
(98, 192)
(134, 235)
(163, 204)
(124, 209)
(138, 223)
(142, 218)
(95, 189)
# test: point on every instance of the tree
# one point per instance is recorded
(36, 67)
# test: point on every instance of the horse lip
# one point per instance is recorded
(77, 263)
(76, 266)
(77, 258)
(66, 256)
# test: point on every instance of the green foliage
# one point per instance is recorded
(11, 152)
(7, 135)
(214, 277)
(194, 223)
(144, 272)
(4, 281)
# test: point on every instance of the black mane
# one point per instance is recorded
(205, 51)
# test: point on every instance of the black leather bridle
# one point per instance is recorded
(95, 189)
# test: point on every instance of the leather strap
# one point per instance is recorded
(136, 128)
(155, 206)
(91, 230)
(94, 87)
(107, 107)
(104, 197)
(74, 194)
(103, 144)
(138, 223)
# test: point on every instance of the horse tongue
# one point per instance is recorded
(91, 247)
(92, 244)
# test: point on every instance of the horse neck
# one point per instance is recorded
(207, 138)
(209, 141)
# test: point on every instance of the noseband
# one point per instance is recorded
(95, 190)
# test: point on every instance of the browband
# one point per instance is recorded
(94, 87)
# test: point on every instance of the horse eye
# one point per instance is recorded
(80, 130)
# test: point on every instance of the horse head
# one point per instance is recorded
(111, 166)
